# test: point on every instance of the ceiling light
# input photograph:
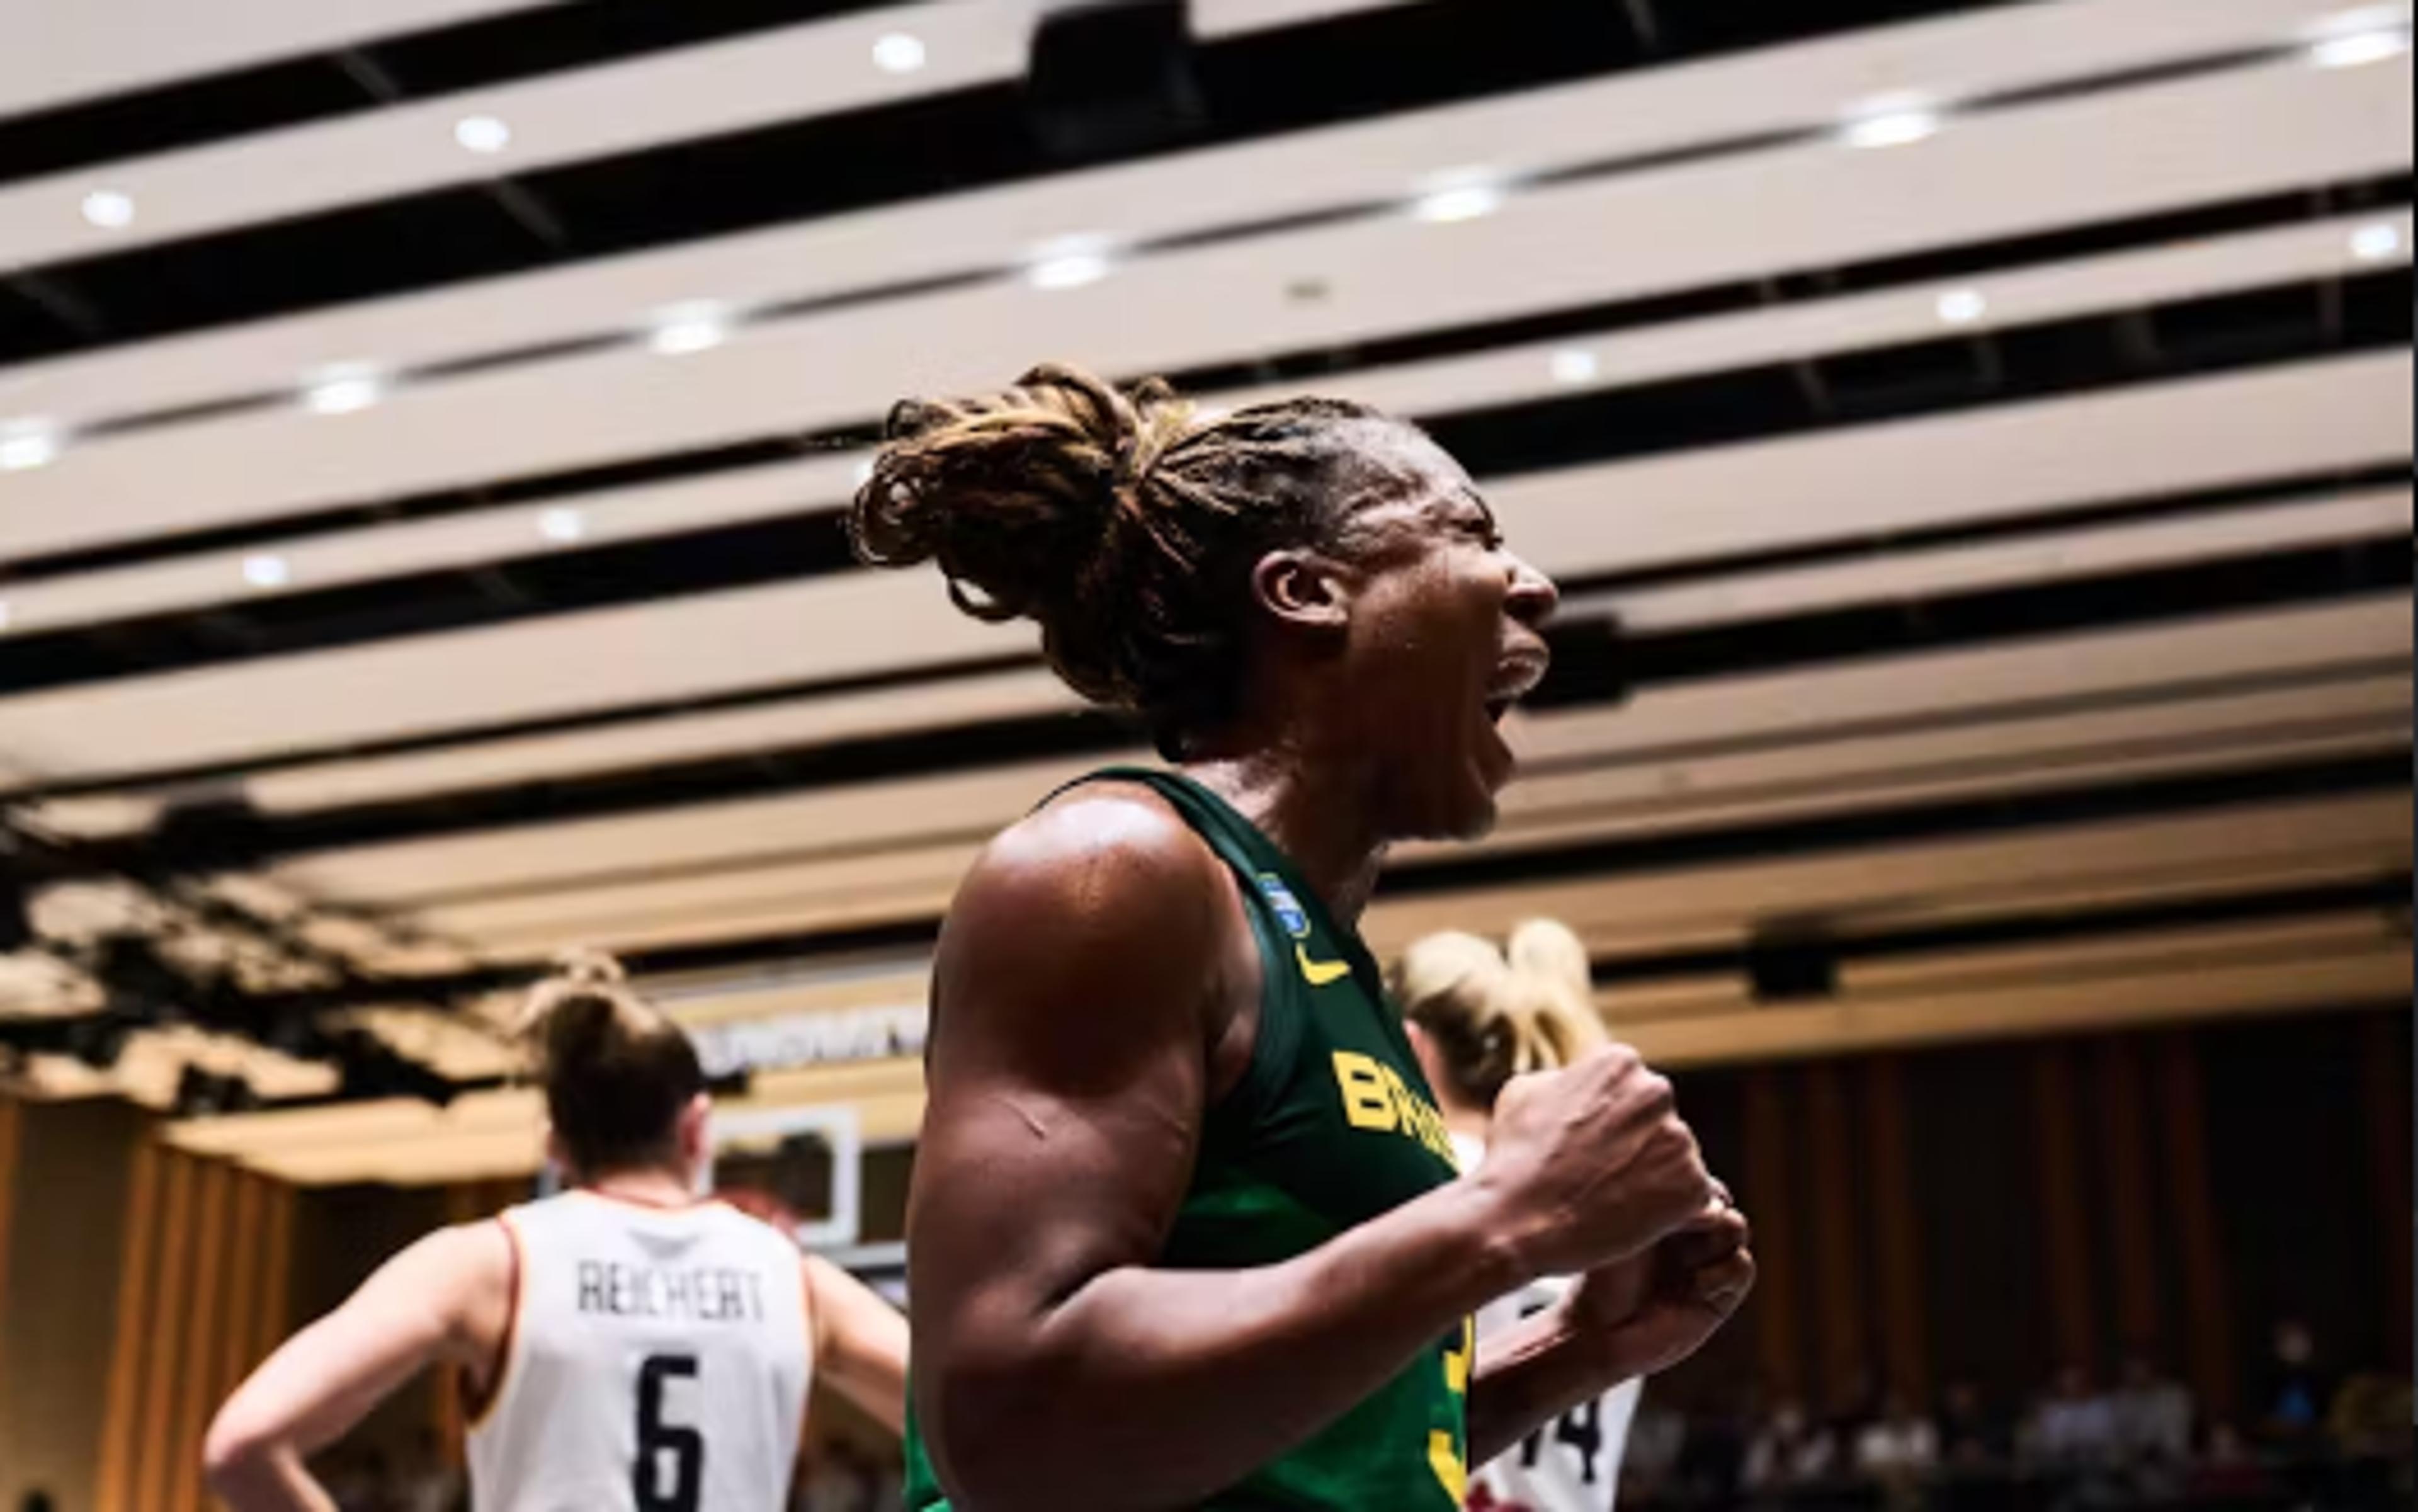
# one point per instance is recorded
(108, 209)
(1897, 122)
(265, 571)
(1962, 307)
(899, 53)
(27, 444)
(344, 389)
(1575, 364)
(1467, 194)
(1070, 263)
(683, 328)
(562, 526)
(2357, 48)
(2378, 243)
(482, 134)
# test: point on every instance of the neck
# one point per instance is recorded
(1464, 1121)
(1316, 812)
(654, 1187)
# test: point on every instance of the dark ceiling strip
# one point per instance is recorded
(1845, 940)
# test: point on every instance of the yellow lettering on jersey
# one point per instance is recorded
(1444, 1452)
(1367, 1103)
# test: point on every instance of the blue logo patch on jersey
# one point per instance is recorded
(1289, 910)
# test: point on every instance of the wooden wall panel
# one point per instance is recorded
(1767, 1187)
(1838, 1241)
(2123, 1151)
(11, 1125)
(2065, 1242)
(1897, 1250)
(2208, 1317)
(202, 1299)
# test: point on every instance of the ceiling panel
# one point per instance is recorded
(1505, 375)
(2081, 159)
(1618, 118)
(59, 52)
(822, 67)
(1972, 465)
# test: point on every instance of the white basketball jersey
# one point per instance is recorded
(658, 1362)
(1572, 1465)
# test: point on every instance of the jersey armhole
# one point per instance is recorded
(478, 1407)
(1275, 1039)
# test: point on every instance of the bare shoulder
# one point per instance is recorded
(1100, 864)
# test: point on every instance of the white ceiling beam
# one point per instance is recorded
(1627, 115)
(1818, 329)
(1999, 175)
(63, 53)
(1966, 467)
(683, 94)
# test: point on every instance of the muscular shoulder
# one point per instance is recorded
(1102, 915)
(1103, 868)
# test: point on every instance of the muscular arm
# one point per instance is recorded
(860, 1343)
(1077, 995)
(442, 1300)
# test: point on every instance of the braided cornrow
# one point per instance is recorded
(1124, 523)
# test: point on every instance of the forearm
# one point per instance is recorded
(1530, 1377)
(1150, 1388)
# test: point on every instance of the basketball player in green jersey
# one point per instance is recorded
(1185, 1228)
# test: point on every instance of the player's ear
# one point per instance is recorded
(696, 1132)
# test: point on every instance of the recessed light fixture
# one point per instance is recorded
(1464, 194)
(2358, 49)
(2378, 243)
(1962, 307)
(109, 209)
(682, 328)
(482, 134)
(562, 526)
(267, 572)
(1575, 364)
(1070, 263)
(27, 444)
(344, 389)
(1893, 121)
(899, 53)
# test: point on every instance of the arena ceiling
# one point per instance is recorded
(1975, 442)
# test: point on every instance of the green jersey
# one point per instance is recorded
(1332, 1125)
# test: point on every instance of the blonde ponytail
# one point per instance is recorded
(1494, 1016)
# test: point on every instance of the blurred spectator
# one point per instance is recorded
(2228, 1470)
(2073, 1428)
(431, 1484)
(2152, 1417)
(1790, 1450)
(2294, 1395)
(2371, 1417)
(1972, 1436)
(1898, 1450)
(1658, 1436)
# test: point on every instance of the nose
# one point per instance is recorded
(1533, 598)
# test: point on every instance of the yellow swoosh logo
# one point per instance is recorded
(1321, 973)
